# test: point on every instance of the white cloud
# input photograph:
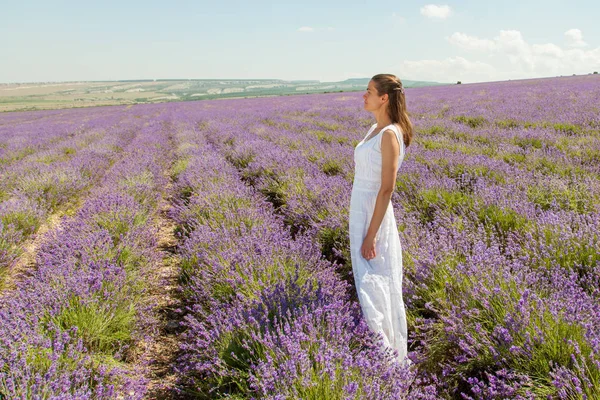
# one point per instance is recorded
(548, 49)
(512, 44)
(507, 56)
(448, 70)
(576, 38)
(435, 11)
(471, 42)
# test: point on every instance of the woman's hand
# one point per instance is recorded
(367, 250)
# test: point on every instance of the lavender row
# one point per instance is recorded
(53, 179)
(266, 317)
(307, 198)
(71, 329)
(26, 136)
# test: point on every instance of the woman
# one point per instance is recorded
(374, 241)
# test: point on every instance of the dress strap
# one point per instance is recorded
(370, 130)
(397, 133)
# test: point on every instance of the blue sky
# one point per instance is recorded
(469, 40)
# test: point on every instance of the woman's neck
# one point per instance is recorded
(383, 119)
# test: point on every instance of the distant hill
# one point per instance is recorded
(46, 95)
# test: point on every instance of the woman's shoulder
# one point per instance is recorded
(395, 127)
(397, 131)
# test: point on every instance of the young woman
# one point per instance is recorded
(374, 241)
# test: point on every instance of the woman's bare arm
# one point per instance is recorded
(390, 150)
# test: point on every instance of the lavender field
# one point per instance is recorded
(498, 209)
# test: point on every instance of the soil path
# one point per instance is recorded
(26, 261)
(162, 351)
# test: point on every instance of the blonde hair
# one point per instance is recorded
(392, 86)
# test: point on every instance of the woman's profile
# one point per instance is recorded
(375, 247)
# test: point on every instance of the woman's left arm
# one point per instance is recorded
(390, 150)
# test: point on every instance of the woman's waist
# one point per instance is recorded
(366, 184)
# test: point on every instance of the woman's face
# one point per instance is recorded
(372, 100)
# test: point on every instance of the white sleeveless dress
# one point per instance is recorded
(379, 280)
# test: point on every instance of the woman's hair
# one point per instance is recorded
(392, 86)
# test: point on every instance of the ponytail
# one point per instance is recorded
(392, 86)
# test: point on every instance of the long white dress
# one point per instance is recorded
(379, 280)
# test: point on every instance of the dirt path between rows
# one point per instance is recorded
(26, 262)
(162, 351)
